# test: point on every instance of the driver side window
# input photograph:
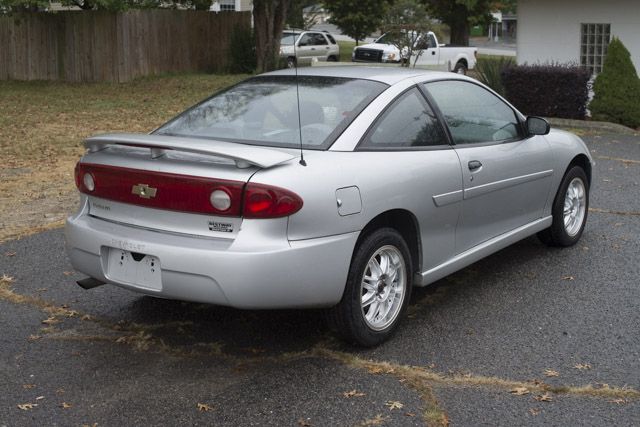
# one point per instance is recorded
(473, 114)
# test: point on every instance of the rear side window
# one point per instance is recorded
(473, 114)
(408, 122)
(331, 39)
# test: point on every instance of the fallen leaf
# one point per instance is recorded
(393, 404)
(34, 337)
(582, 366)
(7, 279)
(51, 321)
(375, 369)
(544, 398)
(618, 401)
(39, 397)
(28, 386)
(409, 414)
(390, 371)
(67, 273)
(352, 393)
(203, 407)
(11, 253)
(519, 391)
(86, 317)
(304, 423)
(551, 373)
(376, 421)
(569, 278)
(534, 411)
(65, 405)
(72, 313)
(60, 391)
(27, 406)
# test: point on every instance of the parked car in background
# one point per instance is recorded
(408, 176)
(427, 53)
(303, 46)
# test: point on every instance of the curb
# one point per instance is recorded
(588, 124)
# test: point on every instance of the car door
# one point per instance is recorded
(319, 45)
(304, 47)
(506, 174)
(428, 53)
(408, 140)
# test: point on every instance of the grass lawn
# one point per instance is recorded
(43, 124)
(345, 50)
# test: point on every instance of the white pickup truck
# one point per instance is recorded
(427, 53)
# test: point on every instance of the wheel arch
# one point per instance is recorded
(463, 61)
(583, 161)
(405, 223)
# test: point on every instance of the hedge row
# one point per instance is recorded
(552, 90)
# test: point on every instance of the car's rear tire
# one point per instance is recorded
(569, 210)
(377, 291)
(460, 68)
(332, 58)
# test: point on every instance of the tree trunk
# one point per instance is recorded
(268, 20)
(460, 26)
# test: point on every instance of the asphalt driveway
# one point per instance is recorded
(528, 336)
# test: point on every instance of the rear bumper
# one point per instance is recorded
(256, 270)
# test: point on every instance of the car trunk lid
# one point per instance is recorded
(166, 183)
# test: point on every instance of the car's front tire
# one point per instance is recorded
(377, 291)
(569, 210)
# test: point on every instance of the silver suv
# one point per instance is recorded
(308, 45)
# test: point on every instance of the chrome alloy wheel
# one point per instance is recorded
(383, 287)
(574, 206)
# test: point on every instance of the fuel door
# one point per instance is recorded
(348, 200)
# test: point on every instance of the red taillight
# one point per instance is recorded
(159, 190)
(265, 201)
(186, 193)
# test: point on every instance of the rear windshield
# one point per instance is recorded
(264, 111)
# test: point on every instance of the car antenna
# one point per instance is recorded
(295, 66)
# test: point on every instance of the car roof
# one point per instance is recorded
(388, 75)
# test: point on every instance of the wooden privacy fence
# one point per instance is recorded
(89, 46)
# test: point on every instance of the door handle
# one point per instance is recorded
(433, 52)
(474, 165)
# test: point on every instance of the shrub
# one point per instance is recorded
(489, 70)
(551, 90)
(242, 55)
(617, 89)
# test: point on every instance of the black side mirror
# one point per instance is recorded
(537, 126)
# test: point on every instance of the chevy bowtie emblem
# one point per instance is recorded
(144, 191)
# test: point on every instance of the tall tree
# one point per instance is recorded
(268, 21)
(356, 18)
(405, 24)
(460, 15)
(295, 14)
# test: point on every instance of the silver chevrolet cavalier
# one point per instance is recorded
(334, 187)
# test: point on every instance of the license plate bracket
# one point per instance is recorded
(133, 268)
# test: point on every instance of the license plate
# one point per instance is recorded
(133, 268)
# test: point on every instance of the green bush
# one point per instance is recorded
(617, 89)
(548, 90)
(489, 70)
(242, 55)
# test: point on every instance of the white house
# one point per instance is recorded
(576, 31)
(232, 6)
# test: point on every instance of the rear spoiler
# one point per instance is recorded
(243, 155)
